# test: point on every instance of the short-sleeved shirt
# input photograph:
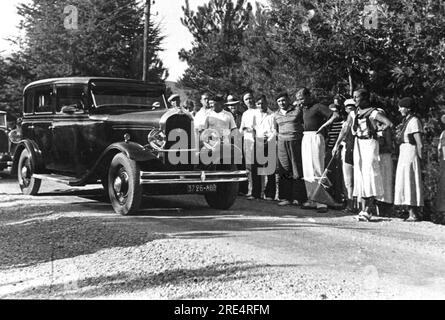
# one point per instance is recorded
(289, 125)
(250, 120)
(222, 122)
(413, 126)
(334, 132)
(200, 118)
(314, 116)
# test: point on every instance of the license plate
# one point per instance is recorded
(201, 188)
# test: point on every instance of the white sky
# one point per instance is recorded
(167, 12)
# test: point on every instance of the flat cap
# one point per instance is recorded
(349, 102)
(281, 95)
(173, 97)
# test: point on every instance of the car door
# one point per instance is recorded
(37, 121)
(69, 147)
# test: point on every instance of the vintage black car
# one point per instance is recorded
(6, 147)
(86, 130)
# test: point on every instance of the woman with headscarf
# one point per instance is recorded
(408, 187)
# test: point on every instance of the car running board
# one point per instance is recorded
(58, 178)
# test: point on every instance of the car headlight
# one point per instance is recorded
(210, 138)
(157, 139)
(15, 136)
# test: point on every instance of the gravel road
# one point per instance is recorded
(66, 243)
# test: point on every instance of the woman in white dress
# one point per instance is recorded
(368, 183)
(408, 188)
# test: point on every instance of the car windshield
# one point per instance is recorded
(119, 95)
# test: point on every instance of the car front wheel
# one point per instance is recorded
(225, 194)
(124, 187)
(28, 184)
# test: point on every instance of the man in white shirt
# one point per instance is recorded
(265, 133)
(219, 119)
(201, 115)
(249, 121)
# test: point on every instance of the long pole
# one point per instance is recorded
(146, 28)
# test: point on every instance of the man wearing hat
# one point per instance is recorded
(345, 140)
(236, 108)
(335, 173)
(288, 123)
(175, 101)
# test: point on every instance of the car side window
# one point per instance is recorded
(43, 99)
(28, 101)
(70, 98)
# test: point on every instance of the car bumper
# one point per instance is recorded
(169, 177)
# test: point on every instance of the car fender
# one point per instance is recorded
(34, 151)
(132, 150)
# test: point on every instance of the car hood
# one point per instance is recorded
(137, 118)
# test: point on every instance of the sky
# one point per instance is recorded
(165, 12)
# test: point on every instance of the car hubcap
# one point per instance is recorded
(120, 186)
(25, 174)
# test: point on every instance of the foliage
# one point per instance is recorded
(214, 61)
(108, 42)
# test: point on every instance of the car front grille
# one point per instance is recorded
(183, 122)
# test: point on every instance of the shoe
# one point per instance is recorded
(308, 205)
(268, 198)
(296, 203)
(250, 198)
(284, 203)
(412, 219)
(363, 216)
(322, 210)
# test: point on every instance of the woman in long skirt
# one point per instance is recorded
(408, 187)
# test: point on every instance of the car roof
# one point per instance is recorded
(85, 80)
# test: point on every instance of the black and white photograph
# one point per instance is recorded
(233, 151)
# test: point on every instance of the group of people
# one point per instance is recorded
(345, 147)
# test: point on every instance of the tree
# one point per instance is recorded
(108, 41)
(214, 61)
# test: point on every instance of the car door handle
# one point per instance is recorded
(31, 127)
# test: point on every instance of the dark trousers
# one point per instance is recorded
(335, 175)
(291, 184)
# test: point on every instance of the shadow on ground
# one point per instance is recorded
(125, 282)
(41, 232)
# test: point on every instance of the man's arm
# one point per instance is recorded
(327, 113)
